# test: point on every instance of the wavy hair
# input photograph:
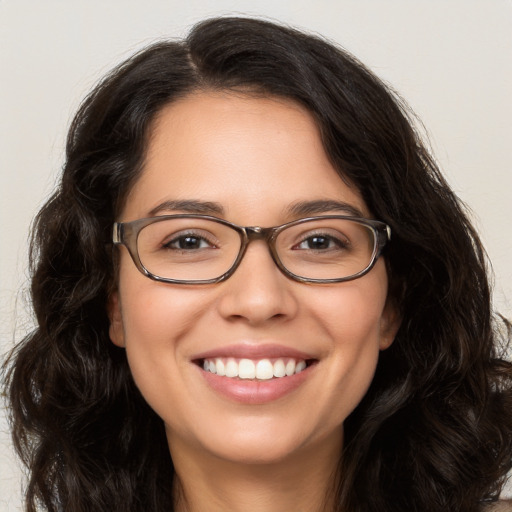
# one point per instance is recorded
(434, 431)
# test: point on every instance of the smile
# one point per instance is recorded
(255, 373)
(262, 369)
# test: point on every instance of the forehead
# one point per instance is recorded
(240, 151)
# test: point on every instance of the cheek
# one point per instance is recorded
(158, 310)
(156, 318)
(353, 328)
(350, 318)
(352, 314)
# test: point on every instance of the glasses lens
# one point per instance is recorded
(326, 248)
(188, 249)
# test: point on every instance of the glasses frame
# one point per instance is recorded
(126, 233)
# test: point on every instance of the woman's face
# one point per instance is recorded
(250, 161)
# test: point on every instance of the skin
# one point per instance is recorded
(256, 157)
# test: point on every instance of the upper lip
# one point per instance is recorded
(254, 351)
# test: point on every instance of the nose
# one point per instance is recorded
(257, 292)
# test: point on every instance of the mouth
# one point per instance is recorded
(255, 373)
(264, 369)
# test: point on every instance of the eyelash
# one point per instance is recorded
(177, 238)
(338, 242)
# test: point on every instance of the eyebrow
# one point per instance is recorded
(298, 209)
(306, 208)
(189, 206)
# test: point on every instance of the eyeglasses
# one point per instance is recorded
(200, 249)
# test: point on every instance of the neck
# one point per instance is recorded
(302, 482)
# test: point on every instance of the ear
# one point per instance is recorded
(116, 331)
(389, 325)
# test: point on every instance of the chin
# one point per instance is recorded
(264, 441)
(266, 452)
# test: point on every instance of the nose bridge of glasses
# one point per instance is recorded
(258, 233)
(254, 233)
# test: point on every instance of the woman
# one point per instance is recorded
(339, 354)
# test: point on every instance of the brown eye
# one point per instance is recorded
(320, 243)
(188, 242)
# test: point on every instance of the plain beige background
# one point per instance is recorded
(450, 59)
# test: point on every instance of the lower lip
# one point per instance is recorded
(255, 391)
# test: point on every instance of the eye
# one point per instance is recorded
(188, 242)
(320, 242)
(316, 242)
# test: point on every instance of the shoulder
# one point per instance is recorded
(499, 506)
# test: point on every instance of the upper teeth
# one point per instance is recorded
(262, 369)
